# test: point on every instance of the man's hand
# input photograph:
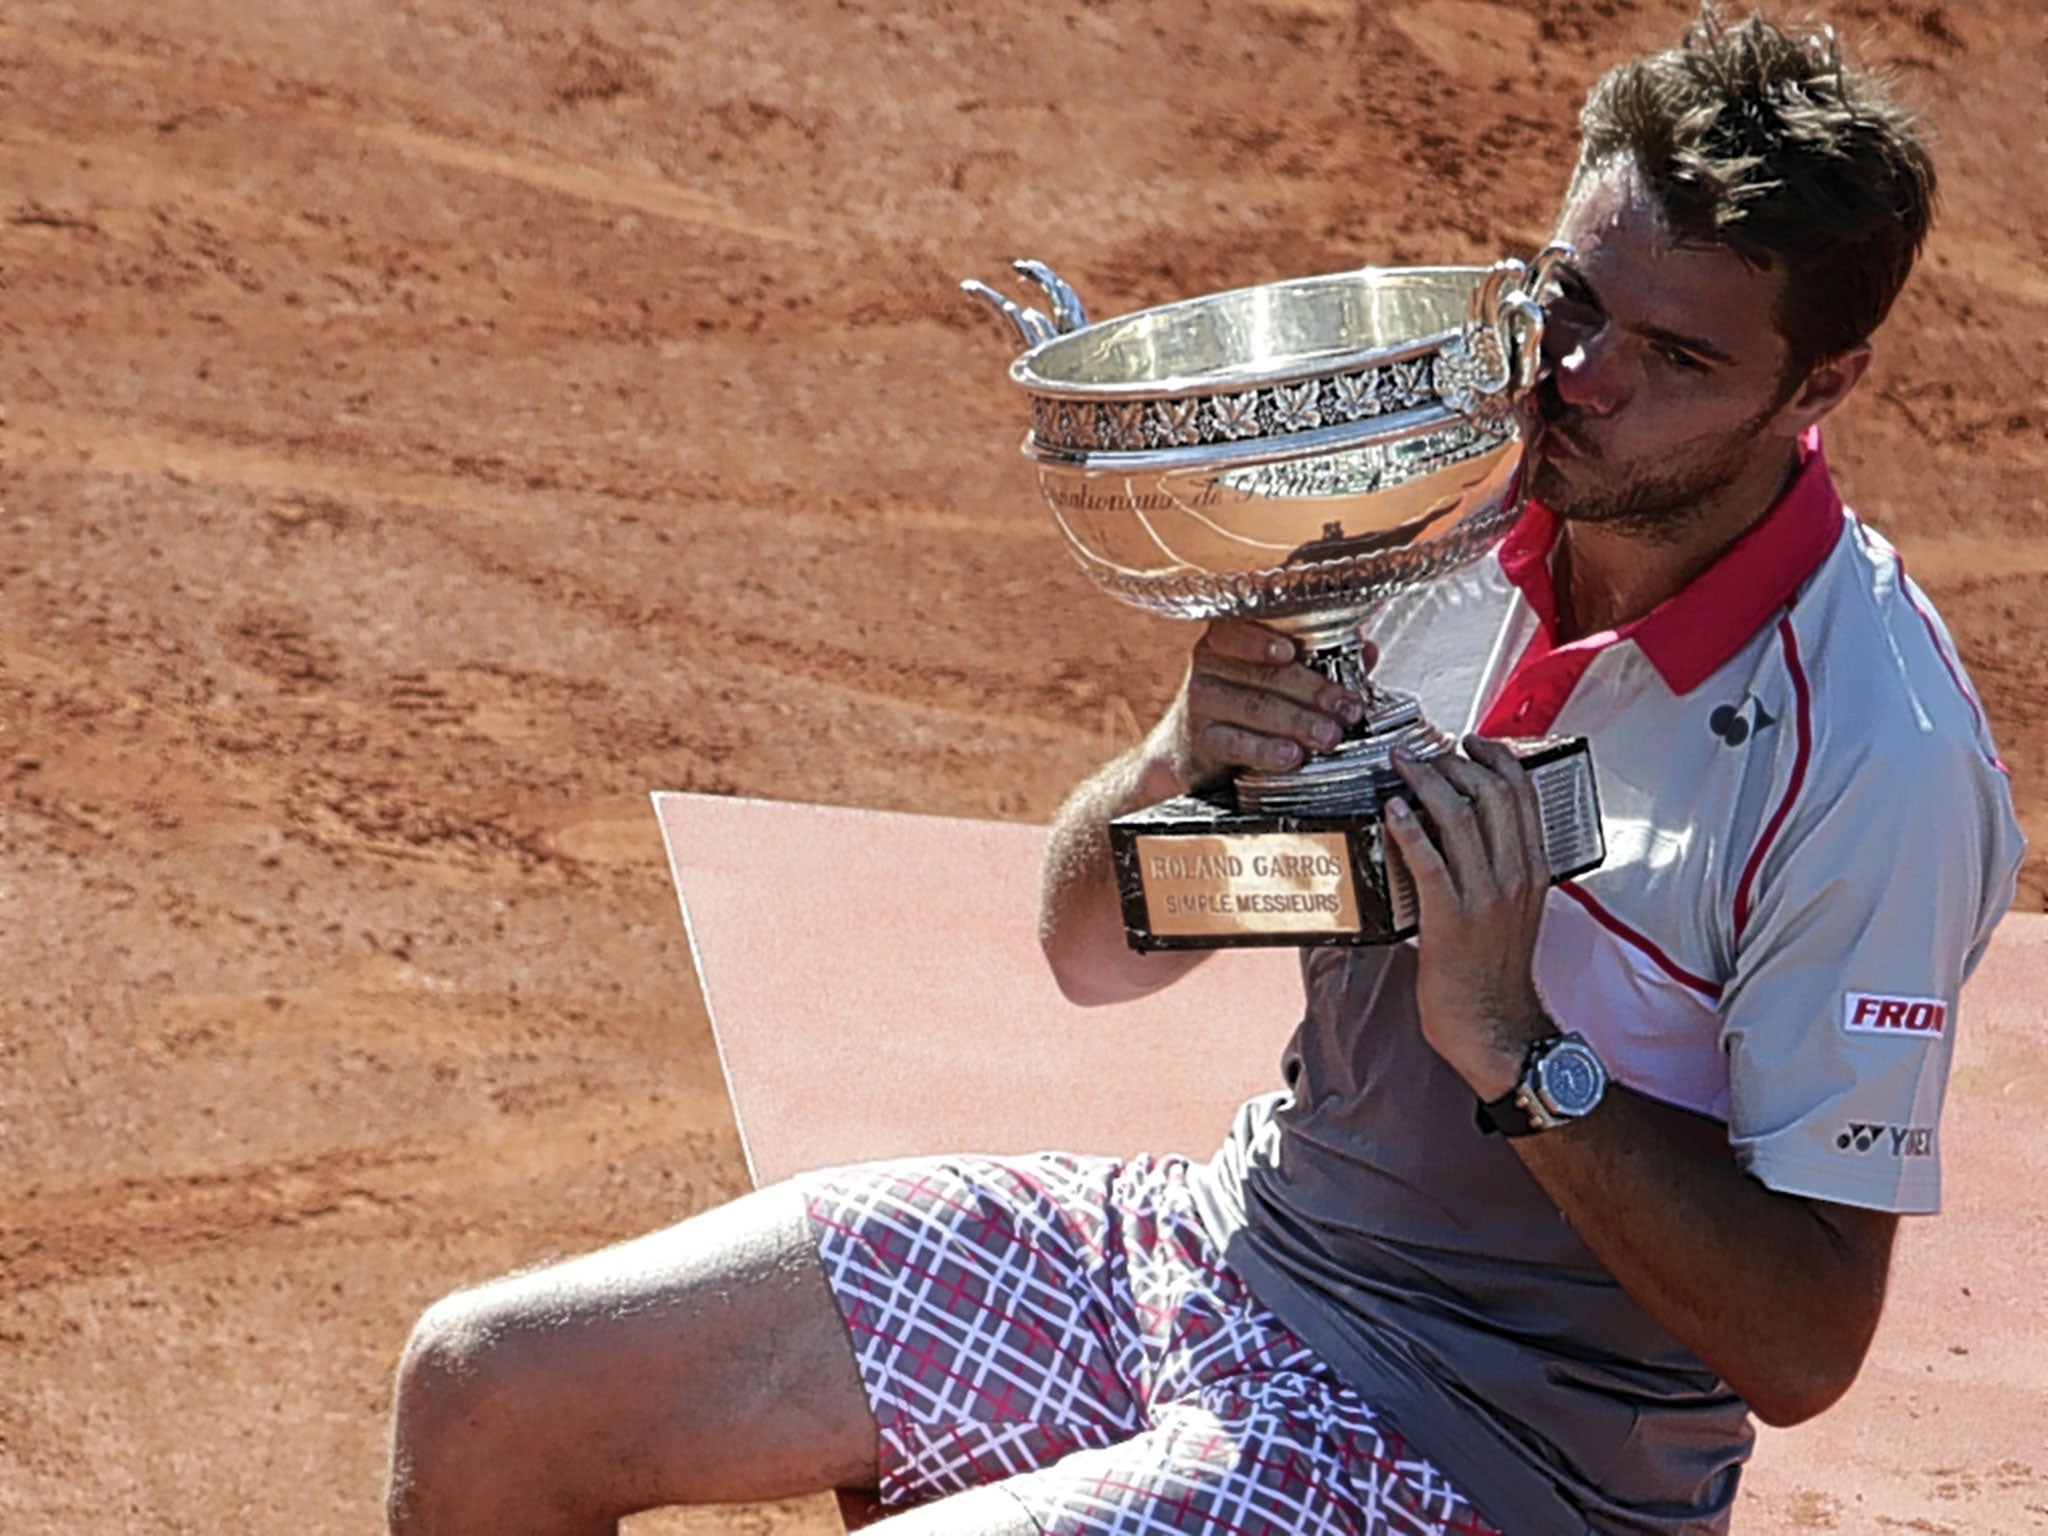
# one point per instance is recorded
(1778, 1294)
(1479, 888)
(1250, 703)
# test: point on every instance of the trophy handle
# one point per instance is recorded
(1068, 313)
(1034, 325)
(1500, 351)
(1522, 319)
(1548, 260)
(1523, 312)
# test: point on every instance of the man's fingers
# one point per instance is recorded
(1258, 657)
(1238, 748)
(1458, 832)
(1214, 700)
(1528, 814)
(1242, 640)
(1249, 703)
(1426, 868)
(1293, 683)
(1496, 790)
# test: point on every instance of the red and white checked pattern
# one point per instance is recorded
(1062, 1325)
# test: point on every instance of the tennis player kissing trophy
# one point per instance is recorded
(1293, 453)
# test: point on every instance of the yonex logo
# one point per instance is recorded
(1868, 1013)
(1736, 723)
(1897, 1140)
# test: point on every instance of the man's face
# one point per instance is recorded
(1665, 368)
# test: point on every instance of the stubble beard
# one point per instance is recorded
(1656, 507)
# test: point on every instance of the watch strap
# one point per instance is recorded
(1504, 1116)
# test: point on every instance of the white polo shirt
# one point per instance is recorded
(1809, 833)
(1809, 838)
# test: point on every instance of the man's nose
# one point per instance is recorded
(1587, 366)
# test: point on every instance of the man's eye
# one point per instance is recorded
(1682, 360)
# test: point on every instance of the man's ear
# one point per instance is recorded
(1826, 385)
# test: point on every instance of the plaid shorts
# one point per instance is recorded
(1063, 1326)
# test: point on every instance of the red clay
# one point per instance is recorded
(430, 427)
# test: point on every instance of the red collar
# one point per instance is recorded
(1691, 634)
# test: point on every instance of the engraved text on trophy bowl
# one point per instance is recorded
(1294, 534)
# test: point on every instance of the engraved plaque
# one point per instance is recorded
(1298, 883)
(1196, 872)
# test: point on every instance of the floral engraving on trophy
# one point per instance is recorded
(1357, 395)
(1236, 416)
(1470, 379)
(1295, 408)
(1409, 382)
(1124, 424)
(1175, 423)
(1452, 377)
(1077, 425)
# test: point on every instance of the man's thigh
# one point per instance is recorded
(1285, 1454)
(974, 1291)
(1061, 1329)
(703, 1363)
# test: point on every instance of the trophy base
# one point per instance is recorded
(1194, 873)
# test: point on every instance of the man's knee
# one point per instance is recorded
(447, 1361)
(462, 1410)
(703, 1363)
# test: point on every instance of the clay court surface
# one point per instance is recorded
(431, 426)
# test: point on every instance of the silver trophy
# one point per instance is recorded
(1292, 453)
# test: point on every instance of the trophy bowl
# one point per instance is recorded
(1292, 453)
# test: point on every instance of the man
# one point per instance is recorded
(1430, 1286)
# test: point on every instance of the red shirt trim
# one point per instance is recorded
(1690, 635)
(1803, 717)
(1711, 990)
(1934, 638)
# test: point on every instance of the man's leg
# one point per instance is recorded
(704, 1363)
(989, 1511)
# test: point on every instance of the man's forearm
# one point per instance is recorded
(1778, 1294)
(1248, 702)
(1080, 921)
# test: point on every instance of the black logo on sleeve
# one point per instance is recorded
(1892, 1140)
(1736, 723)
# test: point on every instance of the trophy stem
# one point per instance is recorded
(1354, 777)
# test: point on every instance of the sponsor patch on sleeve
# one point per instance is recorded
(1913, 1018)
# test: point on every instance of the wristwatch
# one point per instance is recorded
(1562, 1081)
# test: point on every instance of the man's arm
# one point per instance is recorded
(1080, 917)
(1778, 1294)
(1246, 703)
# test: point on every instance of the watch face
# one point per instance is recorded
(1572, 1078)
